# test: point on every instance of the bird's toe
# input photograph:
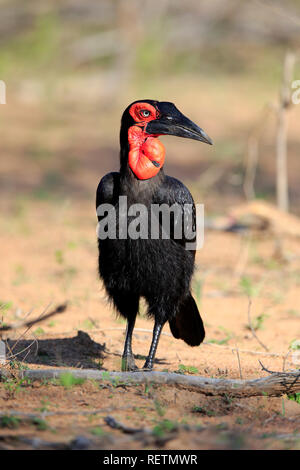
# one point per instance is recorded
(147, 367)
(128, 364)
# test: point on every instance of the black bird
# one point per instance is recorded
(160, 269)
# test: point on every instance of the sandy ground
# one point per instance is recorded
(59, 264)
(51, 165)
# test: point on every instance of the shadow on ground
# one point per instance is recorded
(78, 351)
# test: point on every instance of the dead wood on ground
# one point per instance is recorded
(276, 384)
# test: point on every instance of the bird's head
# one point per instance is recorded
(145, 120)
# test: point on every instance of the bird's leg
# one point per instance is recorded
(156, 334)
(128, 363)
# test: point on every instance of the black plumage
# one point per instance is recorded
(160, 270)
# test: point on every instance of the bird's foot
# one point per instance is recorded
(148, 367)
(128, 364)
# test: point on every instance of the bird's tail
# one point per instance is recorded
(188, 324)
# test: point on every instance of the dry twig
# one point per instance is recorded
(29, 324)
(252, 329)
(239, 361)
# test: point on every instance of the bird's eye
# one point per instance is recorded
(145, 113)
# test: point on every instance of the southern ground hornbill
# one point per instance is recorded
(158, 269)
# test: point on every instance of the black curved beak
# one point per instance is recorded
(179, 126)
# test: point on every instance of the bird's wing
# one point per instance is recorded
(108, 189)
(174, 192)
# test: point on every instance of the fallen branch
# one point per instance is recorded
(29, 324)
(114, 424)
(45, 414)
(8, 442)
(147, 435)
(277, 384)
(265, 216)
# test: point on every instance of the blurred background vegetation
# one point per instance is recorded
(72, 66)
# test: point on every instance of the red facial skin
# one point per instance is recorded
(144, 149)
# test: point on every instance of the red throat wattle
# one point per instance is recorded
(146, 153)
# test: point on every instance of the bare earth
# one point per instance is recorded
(70, 274)
(49, 256)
